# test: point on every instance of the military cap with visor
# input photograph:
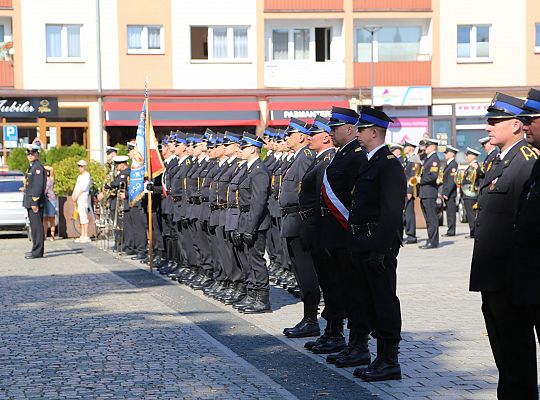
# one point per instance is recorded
(504, 106)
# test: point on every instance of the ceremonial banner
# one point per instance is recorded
(138, 161)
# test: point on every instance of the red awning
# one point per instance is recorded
(283, 108)
(183, 111)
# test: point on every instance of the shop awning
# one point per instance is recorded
(184, 111)
(283, 108)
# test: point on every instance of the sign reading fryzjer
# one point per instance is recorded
(402, 95)
(21, 107)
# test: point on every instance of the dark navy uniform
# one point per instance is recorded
(486, 164)
(34, 195)
(469, 192)
(428, 197)
(449, 190)
(412, 168)
(121, 181)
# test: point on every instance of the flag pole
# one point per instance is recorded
(149, 172)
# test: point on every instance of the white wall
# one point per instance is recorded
(508, 43)
(306, 73)
(203, 74)
(40, 74)
(109, 44)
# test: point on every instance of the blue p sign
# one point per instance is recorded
(11, 136)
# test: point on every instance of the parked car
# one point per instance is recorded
(13, 216)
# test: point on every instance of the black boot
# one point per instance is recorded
(359, 353)
(309, 326)
(246, 299)
(236, 296)
(335, 342)
(205, 281)
(388, 367)
(358, 372)
(261, 304)
(321, 339)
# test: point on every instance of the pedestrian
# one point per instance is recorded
(508, 325)
(34, 200)
(49, 209)
(81, 198)
(449, 189)
(429, 192)
(375, 227)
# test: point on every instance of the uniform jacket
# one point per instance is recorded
(276, 182)
(526, 268)
(206, 184)
(379, 197)
(193, 190)
(167, 204)
(178, 188)
(449, 188)
(409, 167)
(428, 178)
(253, 192)
(310, 197)
(223, 181)
(232, 215)
(121, 177)
(486, 164)
(290, 190)
(470, 172)
(36, 181)
(213, 193)
(341, 174)
(498, 201)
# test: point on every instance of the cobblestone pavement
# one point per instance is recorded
(80, 323)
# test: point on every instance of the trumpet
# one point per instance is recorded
(414, 180)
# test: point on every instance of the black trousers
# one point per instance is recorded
(451, 214)
(375, 296)
(139, 223)
(188, 254)
(471, 214)
(203, 244)
(225, 252)
(429, 209)
(511, 336)
(334, 299)
(257, 271)
(157, 233)
(304, 271)
(410, 219)
(217, 261)
(36, 232)
(193, 241)
(240, 264)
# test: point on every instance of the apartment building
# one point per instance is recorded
(246, 64)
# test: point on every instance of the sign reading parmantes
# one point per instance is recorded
(28, 107)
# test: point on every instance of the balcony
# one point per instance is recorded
(392, 5)
(303, 5)
(6, 74)
(393, 73)
(6, 4)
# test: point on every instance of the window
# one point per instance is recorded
(473, 42)
(280, 44)
(294, 44)
(537, 38)
(145, 39)
(390, 43)
(219, 43)
(63, 42)
(301, 44)
(323, 38)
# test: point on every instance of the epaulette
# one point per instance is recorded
(307, 152)
(187, 161)
(528, 153)
(390, 156)
(357, 149)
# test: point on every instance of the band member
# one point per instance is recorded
(412, 167)
(469, 188)
(429, 193)
(449, 189)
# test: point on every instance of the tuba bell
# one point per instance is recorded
(469, 186)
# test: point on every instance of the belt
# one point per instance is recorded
(195, 200)
(363, 229)
(290, 210)
(304, 215)
(222, 206)
(214, 207)
(244, 208)
(231, 205)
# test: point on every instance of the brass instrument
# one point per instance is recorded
(118, 222)
(414, 180)
(440, 176)
(458, 177)
(469, 186)
(104, 223)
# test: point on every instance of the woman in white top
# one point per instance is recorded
(81, 196)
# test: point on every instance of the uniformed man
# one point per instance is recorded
(298, 134)
(119, 202)
(491, 153)
(525, 272)
(429, 193)
(397, 150)
(34, 200)
(412, 167)
(449, 189)
(469, 188)
(254, 221)
(508, 326)
(336, 191)
(375, 226)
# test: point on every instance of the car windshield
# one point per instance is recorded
(10, 186)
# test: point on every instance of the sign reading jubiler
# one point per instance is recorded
(28, 107)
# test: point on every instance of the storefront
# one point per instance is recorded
(283, 108)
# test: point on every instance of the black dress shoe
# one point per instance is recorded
(30, 256)
(427, 246)
(332, 345)
(306, 328)
(410, 241)
(332, 358)
(356, 357)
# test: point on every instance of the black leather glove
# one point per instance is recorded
(236, 239)
(184, 223)
(249, 239)
(375, 262)
(212, 229)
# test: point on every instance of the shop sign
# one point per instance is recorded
(471, 109)
(28, 107)
(11, 136)
(403, 129)
(402, 95)
(300, 114)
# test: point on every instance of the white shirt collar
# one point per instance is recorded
(231, 158)
(449, 160)
(348, 143)
(290, 156)
(430, 154)
(222, 161)
(503, 154)
(322, 152)
(181, 160)
(250, 162)
(372, 152)
(169, 159)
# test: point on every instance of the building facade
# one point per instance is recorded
(433, 65)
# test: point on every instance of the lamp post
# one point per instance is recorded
(372, 29)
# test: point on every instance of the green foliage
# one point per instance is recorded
(66, 173)
(57, 154)
(122, 149)
(17, 160)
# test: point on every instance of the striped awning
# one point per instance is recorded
(283, 108)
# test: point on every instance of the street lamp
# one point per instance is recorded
(372, 29)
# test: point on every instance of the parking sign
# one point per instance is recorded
(11, 136)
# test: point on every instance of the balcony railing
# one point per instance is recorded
(303, 5)
(6, 4)
(392, 5)
(6, 74)
(393, 73)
